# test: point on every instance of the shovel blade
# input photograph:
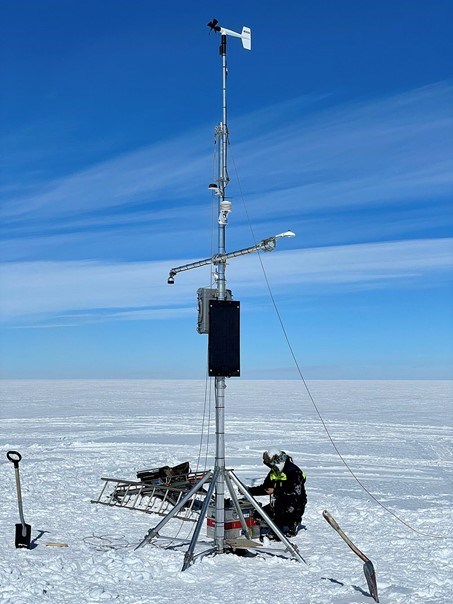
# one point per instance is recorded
(370, 576)
(23, 535)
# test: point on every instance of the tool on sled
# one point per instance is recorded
(23, 530)
(368, 567)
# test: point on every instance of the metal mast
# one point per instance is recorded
(220, 385)
(224, 207)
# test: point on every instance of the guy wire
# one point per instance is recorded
(208, 381)
(299, 370)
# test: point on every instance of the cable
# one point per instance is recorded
(103, 543)
(207, 396)
(207, 422)
(285, 333)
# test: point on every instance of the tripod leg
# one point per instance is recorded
(245, 528)
(155, 531)
(189, 554)
(289, 546)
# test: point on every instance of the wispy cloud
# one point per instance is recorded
(397, 148)
(389, 264)
(62, 293)
(291, 158)
(130, 178)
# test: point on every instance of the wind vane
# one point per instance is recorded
(245, 35)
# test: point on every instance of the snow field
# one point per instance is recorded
(396, 436)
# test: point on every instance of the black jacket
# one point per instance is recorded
(289, 497)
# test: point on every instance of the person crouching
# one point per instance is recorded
(285, 483)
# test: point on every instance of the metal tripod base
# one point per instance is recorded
(221, 544)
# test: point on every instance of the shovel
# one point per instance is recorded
(368, 567)
(23, 530)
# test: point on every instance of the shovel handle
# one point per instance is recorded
(15, 457)
(334, 524)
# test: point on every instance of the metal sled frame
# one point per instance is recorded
(150, 498)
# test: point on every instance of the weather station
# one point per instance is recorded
(219, 318)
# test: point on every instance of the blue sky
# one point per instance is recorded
(341, 128)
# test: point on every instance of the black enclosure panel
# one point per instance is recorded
(224, 338)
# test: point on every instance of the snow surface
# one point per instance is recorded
(397, 437)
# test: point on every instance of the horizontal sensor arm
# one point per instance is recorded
(266, 245)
